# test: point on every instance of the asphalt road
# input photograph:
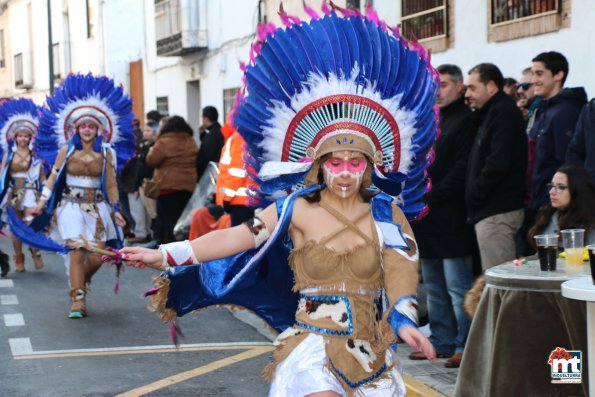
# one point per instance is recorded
(120, 348)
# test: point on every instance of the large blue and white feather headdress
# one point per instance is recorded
(18, 114)
(86, 97)
(345, 80)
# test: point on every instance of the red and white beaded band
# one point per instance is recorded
(178, 254)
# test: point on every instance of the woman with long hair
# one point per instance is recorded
(86, 136)
(173, 157)
(22, 173)
(571, 206)
(332, 265)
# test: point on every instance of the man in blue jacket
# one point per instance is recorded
(555, 120)
(581, 149)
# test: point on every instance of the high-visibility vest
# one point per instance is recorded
(233, 181)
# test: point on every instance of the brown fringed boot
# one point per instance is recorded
(37, 259)
(78, 309)
(19, 262)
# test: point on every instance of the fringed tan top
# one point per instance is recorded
(87, 164)
(19, 167)
(340, 299)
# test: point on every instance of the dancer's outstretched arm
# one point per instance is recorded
(214, 245)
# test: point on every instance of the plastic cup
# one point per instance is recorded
(547, 250)
(574, 243)
(591, 249)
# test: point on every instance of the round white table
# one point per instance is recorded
(584, 290)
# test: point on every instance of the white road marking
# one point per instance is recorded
(9, 300)
(6, 283)
(20, 346)
(154, 347)
(14, 320)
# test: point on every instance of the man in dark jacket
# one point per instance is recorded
(211, 140)
(554, 122)
(581, 149)
(444, 238)
(497, 164)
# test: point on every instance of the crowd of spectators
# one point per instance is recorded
(515, 158)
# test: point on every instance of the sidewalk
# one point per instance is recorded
(425, 378)
(422, 377)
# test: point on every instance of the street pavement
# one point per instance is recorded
(122, 349)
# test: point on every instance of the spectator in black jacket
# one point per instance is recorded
(211, 140)
(444, 238)
(555, 120)
(497, 164)
(581, 149)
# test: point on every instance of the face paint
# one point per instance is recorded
(340, 172)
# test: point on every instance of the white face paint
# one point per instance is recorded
(344, 172)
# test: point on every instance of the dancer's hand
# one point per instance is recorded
(120, 221)
(38, 209)
(138, 256)
(417, 341)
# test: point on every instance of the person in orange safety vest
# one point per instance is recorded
(231, 197)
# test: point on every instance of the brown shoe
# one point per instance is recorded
(19, 262)
(78, 309)
(421, 356)
(37, 259)
(454, 361)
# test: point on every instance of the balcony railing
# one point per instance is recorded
(23, 70)
(506, 11)
(424, 19)
(177, 30)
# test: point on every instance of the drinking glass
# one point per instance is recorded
(547, 250)
(574, 243)
(591, 249)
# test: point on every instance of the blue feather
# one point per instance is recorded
(79, 87)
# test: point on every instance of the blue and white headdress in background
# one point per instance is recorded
(17, 115)
(87, 98)
(339, 83)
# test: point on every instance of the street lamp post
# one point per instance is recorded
(50, 48)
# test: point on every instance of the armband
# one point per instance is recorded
(46, 193)
(259, 231)
(177, 254)
(404, 313)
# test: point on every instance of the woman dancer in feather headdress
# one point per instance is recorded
(22, 173)
(86, 135)
(343, 108)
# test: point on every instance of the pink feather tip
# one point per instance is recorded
(150, 292)
(325, 8)
(309, 10)
(174, 330)
(117, 286)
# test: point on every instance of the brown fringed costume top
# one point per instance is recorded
(341, 300)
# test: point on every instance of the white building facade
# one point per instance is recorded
(508, 33)
(194, 50)
(88, 36)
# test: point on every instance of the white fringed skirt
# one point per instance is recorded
(304, 372)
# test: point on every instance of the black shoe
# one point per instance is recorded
(4, 264)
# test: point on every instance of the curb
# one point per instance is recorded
(417, 388)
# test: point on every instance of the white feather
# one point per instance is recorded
(91, 100)
(318, 86)
(12, 119)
